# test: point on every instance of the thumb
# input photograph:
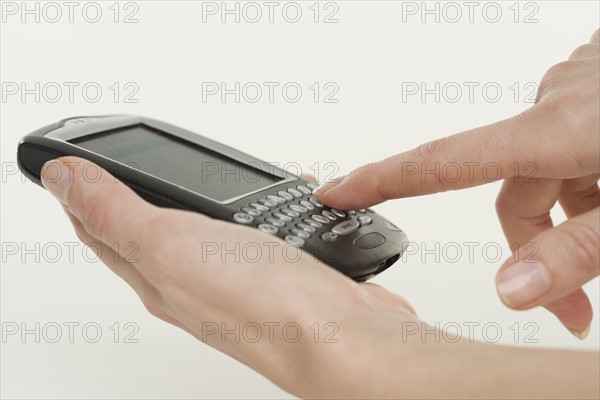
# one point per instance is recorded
(108, 210)
(556, 263)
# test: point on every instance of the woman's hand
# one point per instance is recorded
(547, 154)
(268, 304)
(306, 327)
(222, 282)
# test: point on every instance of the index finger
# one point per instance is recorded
(467, 159)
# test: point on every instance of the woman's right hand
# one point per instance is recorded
(549, 153)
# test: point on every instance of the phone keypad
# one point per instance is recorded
(290, 213)
(267, 203)
(306, 228)
(312, 186)
(329, 215)
(307, 205)
(298, 209)
(252, 211)
(312, 223)
(315, 202)
(275, 222)
(304, 189)
(242, 218)
(282, 217)
(277, 199)
(339, 213)
(300, 233)
(259, 207)
(297, 194)
(296, 215)
(268, 228)
(329, 237)
(285, 195)
(295, 240)
(346, 227)
(365, 220)
(320, 218)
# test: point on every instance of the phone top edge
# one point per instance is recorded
(58, 136)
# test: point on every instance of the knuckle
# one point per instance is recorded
(583, 51)
(430, 156)
(168, 247)
(93, 215)
(578, 52)
(431, 152)
(567, 108)
(589, 193)
(509, 212)
(559, 70)
(153, 301)
(364, 170)
(154, 306)
(586, 240)
(81, 234)
(554, 76)
(503, 204)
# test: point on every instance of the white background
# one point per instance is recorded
(168, 53)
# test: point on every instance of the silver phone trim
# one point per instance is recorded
(70, 131)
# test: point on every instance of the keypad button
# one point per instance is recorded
(320, 218)
(268, 228)
(312, 223)
(259, 207)
(268, 203)
(315, 202)
(275, 222)
(304, 189)
(300, 233)
(339, 213)
(282, 217)
(329, 237)
(294, 193)
(362, 211)
(307, 205)
(306, 228)
(276, 199)
(346, 227)
(285, 195)
(392, 227)
(365, 220)
(294, 240)
(251, 211)
(351, 212)
(329, 215)
(242, 218)
(312, 186)
(298, 208)
(290, 213)
(370, 240)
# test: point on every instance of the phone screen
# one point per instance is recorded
(180, 162)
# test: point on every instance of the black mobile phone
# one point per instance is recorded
(172, 167)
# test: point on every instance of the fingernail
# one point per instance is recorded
(56, 178)
(523, 282)
(580, 335)
(325, 187)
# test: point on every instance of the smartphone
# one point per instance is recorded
(172, 167)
